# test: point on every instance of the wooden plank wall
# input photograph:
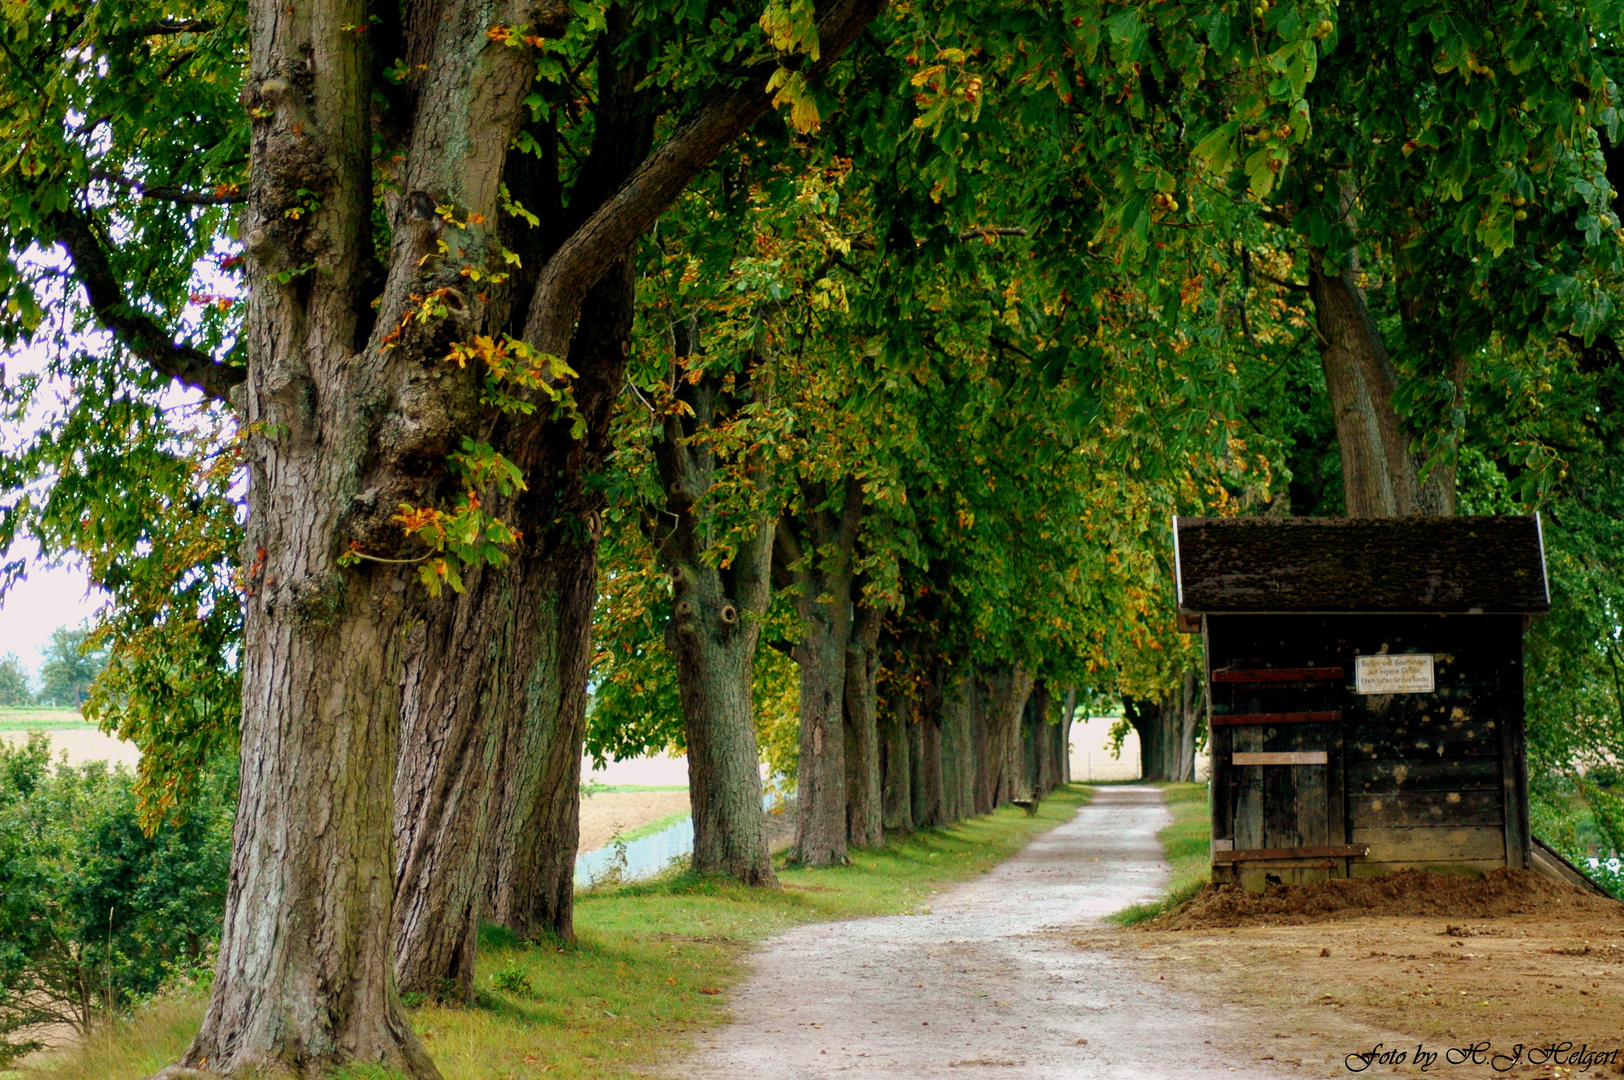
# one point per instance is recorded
(1426, 778)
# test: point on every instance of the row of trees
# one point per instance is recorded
(522, 346)
(66, 675)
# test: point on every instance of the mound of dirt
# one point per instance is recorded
(1409, 892)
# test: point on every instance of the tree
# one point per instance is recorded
(71, 666)
(15, 691)
(350, 411)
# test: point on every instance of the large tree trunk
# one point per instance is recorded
(1381, 477)
(1190, 704)
(1010, 687)
(864, 826)
(958, 746)
(1152, 720)
(1040, 770)
(929, 808)
(820, 553)
(455, 692)
(712, 636)
(1068, 710)
(351, 411)
(896, 765)
(984, 767)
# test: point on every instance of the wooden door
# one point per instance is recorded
(1277, 743)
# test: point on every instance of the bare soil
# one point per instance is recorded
(607, 813)
(1442, 961)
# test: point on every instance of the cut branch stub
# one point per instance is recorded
(729, 615)
(684, 609)
(678, 494)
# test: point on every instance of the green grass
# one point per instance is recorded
(653, 962)
(652, 827)
(1187, 844)
(43, 720)
(591, 789)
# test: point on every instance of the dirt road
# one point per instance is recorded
(987, 984)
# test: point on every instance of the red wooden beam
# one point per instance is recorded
(1261, 719)
(1283, 674)
(1348, 851)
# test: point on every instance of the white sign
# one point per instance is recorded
(1406, 673)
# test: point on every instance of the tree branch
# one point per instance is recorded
(138, 332)
(1012, 230)
(170, 193)
(656, 183)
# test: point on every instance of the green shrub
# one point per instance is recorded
(95, 915)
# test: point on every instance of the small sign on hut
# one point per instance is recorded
(1366, 681)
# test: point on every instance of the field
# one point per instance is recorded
(43, 720)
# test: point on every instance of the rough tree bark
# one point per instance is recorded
(713, 631)
(350, 411)
(864, 826)
(1381, 477)
(896, 762)
(1068, 711)
(1008, 689)
(958, 745)
(817, 546)
(1152, 720)
(1040, 767)
(984, 774)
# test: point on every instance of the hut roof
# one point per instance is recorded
(1455, 564)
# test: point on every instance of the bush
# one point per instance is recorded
(95, 915)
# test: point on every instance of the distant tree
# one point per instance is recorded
(15, 692)
(69, 668)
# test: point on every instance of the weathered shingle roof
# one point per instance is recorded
(1460, 564)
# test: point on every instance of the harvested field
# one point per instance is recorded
(606, 813)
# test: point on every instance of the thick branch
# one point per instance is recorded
(139, 333)
(660, 179)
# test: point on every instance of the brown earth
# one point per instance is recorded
(1444, 961)
(604, 813)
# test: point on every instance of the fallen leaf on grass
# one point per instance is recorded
(708, 990)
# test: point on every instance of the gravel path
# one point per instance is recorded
(988, 985)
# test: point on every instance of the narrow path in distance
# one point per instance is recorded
(988, 985)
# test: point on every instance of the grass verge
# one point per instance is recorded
(654, 962)
(1187, 843)
(651, 827)
(43, 720)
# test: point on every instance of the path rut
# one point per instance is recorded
(987, 985)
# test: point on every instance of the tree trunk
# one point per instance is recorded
(930, 811)
(984, 765)
(1010, 687)
(454, 694)
(820, 554)
(538, 810)
(897, 766)
(1190, 702)
(1068, 710)
(712, 635)
(864, 825)
(350, 412)
(1151, 719)
(958, 748)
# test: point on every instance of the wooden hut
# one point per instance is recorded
(1366, 681)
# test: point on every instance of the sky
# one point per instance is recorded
(49, 598)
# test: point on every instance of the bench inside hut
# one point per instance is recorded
(1366, 680)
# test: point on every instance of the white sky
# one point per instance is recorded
(32, 609)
